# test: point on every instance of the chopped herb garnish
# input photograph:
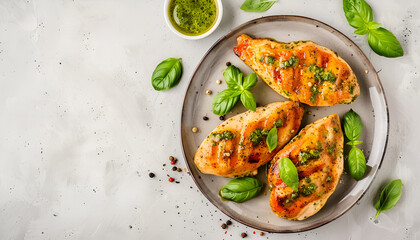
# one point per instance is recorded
(308, 190)
(312, 98)
(329, 179)
(331, 149)
(319, 144)
(292, 62)
(312, 154)
(278, 123)
(321, 75)
(226, 135)
(315, 153)
(287, 93)
(308, 179)
(257, 136)
(270, 60)
(351, 89)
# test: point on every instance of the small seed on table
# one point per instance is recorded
(194, 129)
(208, 92)
(219, 82)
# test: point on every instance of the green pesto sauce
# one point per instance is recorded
(192, 17)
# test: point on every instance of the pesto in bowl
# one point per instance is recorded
(192, 17)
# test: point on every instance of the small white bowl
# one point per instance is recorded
(219, 11)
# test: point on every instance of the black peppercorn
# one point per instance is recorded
(174, 168)
(205, 118)
(228, 222)
(228, 64)
(243, 235)
(151, 175)
(222, 118)
(224, 226)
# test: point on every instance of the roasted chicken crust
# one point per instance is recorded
(239, 156)
(299, 83)
(323, 171)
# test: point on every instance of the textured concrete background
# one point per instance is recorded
(81, 126)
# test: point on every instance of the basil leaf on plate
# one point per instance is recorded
(357, 163)
(358, 13)
(250, 81)
(233, 77)
(352, 125)
(288, 173)
(272, 139)
(354, 143)
(257, 5)
(384, 43)
(248, 100)
(389, 196)
(240, 189)
(224, 101)
(167, 74)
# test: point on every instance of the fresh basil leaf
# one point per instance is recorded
(250, 81)
(240, 189)
(257, 5)
(233, 77)
(384, 43)
(357, 163)
(389, 196)
(362, 31)
(352, 125)
(248, 100)
(272, 139)
(373, 25)
(224, 101)
(354, 143)
(167, 74)
(358, 13)
(289, 173)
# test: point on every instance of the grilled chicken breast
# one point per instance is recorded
(301, 71)
(317, 152)
(238, 146)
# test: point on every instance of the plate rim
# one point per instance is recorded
(296, 18)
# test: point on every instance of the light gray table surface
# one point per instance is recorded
(81, 126)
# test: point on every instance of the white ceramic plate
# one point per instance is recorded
(370, 105)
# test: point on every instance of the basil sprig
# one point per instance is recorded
(289, 173)
(383, 42)
(272, 139)
(238, 89)
(257, 5)
(389, 196)
(167, 74)
(353, 127)
(357, 163)
(241, 189)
